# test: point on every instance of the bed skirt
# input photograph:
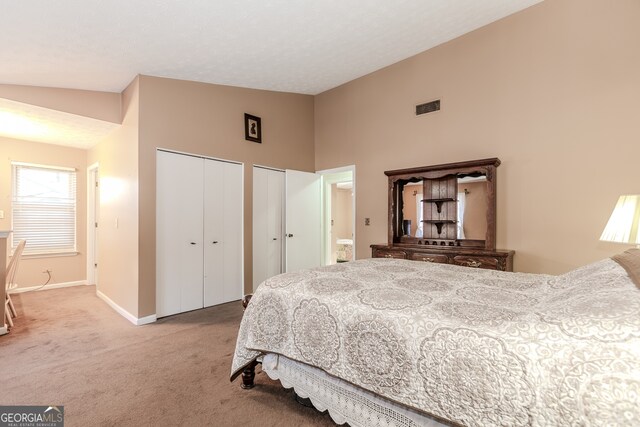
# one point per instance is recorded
(345, 402)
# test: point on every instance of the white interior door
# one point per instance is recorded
(223, 230)
(268, 227)
(302, 219)
(179, 237)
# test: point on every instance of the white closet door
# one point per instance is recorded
(268, 232)
(303, 213)
(179, 240)
(275, 223)
(223, 230)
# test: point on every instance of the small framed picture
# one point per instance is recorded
(252, 128)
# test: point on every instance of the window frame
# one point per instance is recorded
(49, 251)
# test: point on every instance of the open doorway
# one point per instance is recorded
(338, 215)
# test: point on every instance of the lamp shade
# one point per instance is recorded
(624, 221)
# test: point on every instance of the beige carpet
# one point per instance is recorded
(69, 348)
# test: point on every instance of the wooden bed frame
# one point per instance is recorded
(249, 372)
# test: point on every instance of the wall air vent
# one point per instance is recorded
(428, 107)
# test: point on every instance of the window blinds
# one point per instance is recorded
(44, 208)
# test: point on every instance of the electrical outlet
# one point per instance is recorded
(367, 221)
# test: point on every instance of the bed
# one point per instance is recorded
(452, 344)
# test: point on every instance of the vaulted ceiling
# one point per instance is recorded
(284, 45)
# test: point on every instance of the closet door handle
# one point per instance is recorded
(193, 243)
(289, 235)
(214, 242)
(275, 238)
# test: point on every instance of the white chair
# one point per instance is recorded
(12, 268)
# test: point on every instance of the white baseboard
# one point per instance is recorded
(51, 286)
(124, 313)
(147, 319)
(4, 329)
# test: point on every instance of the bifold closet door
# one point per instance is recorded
(179, 239)
(268, 230)
(223, 232)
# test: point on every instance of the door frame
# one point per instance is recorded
(327, 181)
(93, 215)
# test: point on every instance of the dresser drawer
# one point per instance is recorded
(385, 253)
(417, 256)
(477, 262)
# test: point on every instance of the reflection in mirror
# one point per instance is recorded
(412, 209)
(472, 207)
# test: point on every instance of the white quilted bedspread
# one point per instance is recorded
(477, 347)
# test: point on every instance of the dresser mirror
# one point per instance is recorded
(445, 214)
(471, 206)
(444, 205)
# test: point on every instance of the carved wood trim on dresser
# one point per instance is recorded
(493, 260)
(442, 237)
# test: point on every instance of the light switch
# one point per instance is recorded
(1, 214)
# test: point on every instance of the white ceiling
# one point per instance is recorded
(299, 46)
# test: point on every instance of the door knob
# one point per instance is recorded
(214, 242)
(289, 235)
(193, 243)
(275, 238)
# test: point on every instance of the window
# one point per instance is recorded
(44, 208)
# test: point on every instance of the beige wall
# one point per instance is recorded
(118, 244)
(98, 105)
(552, 91)
(343, 228)
(209, 120)
(67, 268)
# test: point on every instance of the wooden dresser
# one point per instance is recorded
(494, 260)
(445, 214)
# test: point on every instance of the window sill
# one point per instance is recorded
(50, 255)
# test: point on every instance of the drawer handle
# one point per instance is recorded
(427, 259)
(388, 256)
(474, 263)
